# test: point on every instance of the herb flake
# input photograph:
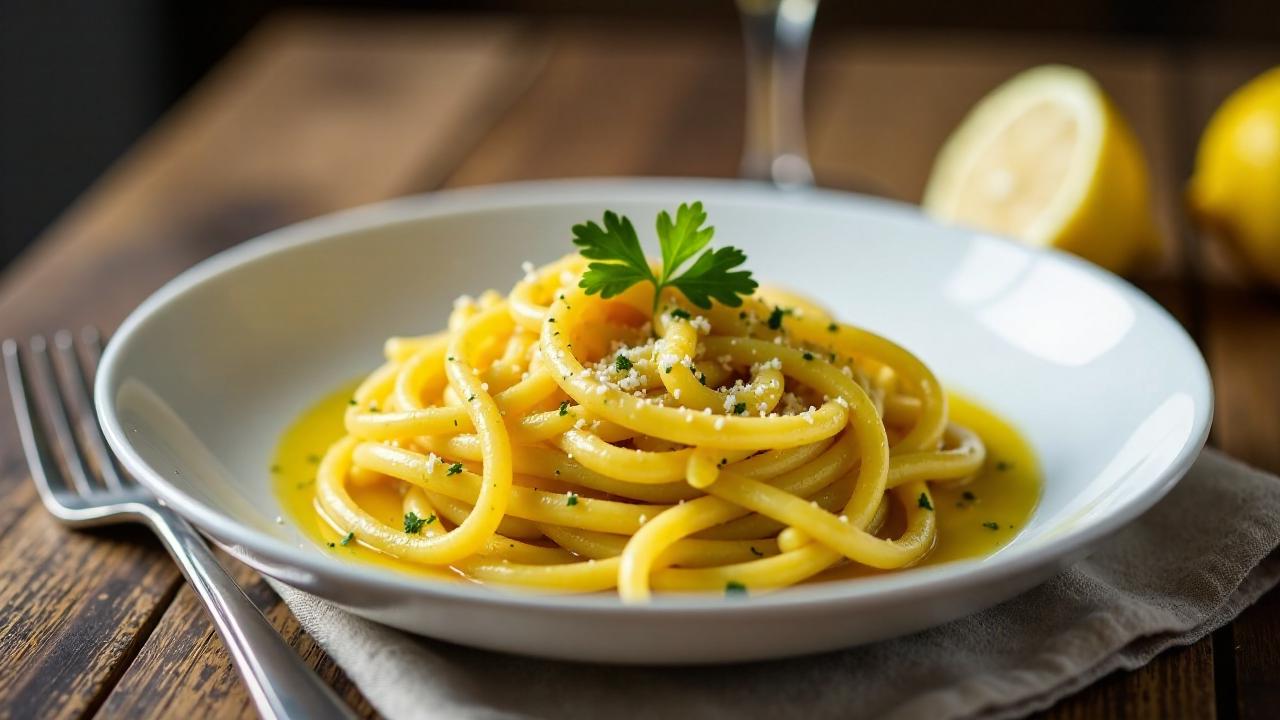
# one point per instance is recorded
(413, 524)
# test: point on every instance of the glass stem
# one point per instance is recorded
(777, 40)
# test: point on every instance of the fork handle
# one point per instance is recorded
(282, 686)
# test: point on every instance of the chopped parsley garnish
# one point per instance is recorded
(313, 458)
(681, 313)
(622, 363)
(832, 327)
(668, 369)
(564, 408)
(620, 261)
(352, 401)
(702, 378)
(808, 355)
(991, 525)
(968, 496)
(413, 524)
(571, 499)
(1003, 465)
(551, 320)
(923, 501)
(450, 358)
(454, 469)
(739, 408)
(775, 318)
(347, 540)
(331, 545)
(733, 587)
(756, 552)
(275, 469)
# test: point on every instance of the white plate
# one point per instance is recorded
(197, 385)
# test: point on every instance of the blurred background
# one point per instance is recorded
(83, 80)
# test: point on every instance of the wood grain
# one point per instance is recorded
(310, 116)
(184, 670)
(314, 114)
(649, 101)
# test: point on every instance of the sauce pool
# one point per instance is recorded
(974, 520)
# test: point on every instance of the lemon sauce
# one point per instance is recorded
(975, 519)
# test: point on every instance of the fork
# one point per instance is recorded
(88, 489)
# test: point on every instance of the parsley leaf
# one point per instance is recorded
(454, 469)
(733, 587)
(682, 239)
(710, 277)
(923, 502)
(620, 261)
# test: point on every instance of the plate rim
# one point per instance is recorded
(946, 577)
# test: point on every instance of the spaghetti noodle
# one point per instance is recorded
(561, 441)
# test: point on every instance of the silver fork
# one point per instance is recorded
(88, 489)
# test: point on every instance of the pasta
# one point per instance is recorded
(563, 442)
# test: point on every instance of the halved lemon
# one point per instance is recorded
(1047, 159)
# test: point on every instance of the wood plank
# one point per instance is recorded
(1170, 686)
(74, 609)
(1242, 345)
(184, 670)
(310, 116)
(649, 100)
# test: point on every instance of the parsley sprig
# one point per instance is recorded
(620, 261)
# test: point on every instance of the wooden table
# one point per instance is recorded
(315, 113)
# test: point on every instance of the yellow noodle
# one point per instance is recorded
(560, 442)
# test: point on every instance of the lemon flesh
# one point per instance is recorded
(1046, 159)
(1236, 187)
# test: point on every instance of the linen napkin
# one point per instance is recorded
(1185, 568)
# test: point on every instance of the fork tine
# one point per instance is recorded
(91, 354)
(56, 406)
(44, 467)
(76, 379)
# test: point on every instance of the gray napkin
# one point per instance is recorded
(1182, 570)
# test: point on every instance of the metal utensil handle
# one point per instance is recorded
(776, 33)
(282, 686)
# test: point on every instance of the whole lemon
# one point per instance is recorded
(1235, 191)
